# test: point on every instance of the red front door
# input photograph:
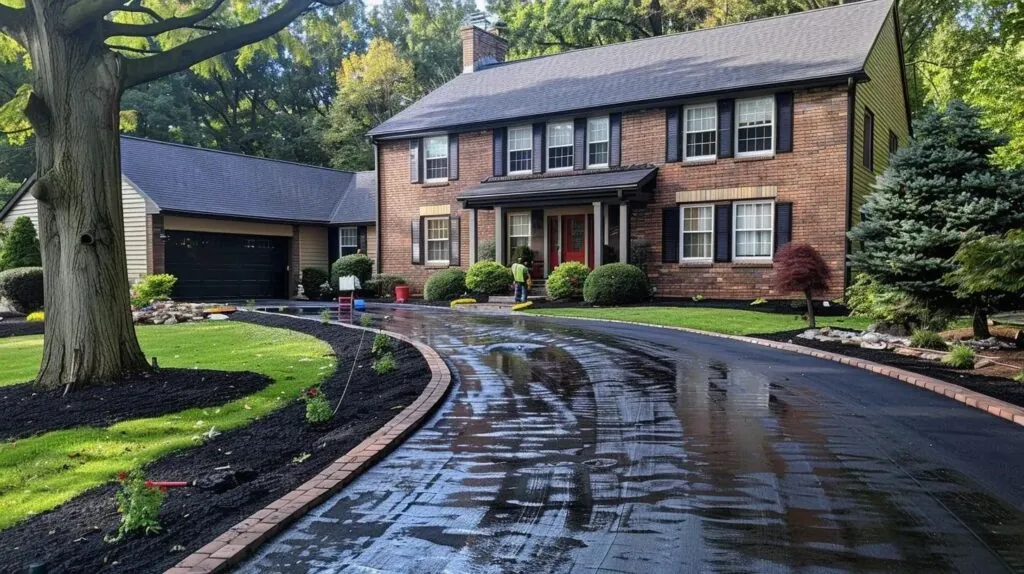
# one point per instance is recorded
(574, 238)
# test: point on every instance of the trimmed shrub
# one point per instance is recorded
(384, 364)
(23, 288)
(21, 246)
(523, 252)
(485, 250)
(356, 264)
(312, 279)
(36, 317)
(445, 285)
(961, 357)
(153, 288)
(383, 285)
(616, 284)
(925, 339)
(566, 281)
(489, 278)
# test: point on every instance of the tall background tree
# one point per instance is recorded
(83, 54)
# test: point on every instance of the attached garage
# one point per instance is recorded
(227, 266)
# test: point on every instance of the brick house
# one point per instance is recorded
(714, 148)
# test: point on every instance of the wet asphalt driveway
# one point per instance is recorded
(589, 447)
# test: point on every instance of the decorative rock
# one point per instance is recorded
(171, 321)
(871, 338)
(217, 317)
(876, 345)
(809, 334)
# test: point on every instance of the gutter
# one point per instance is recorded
(376, 207)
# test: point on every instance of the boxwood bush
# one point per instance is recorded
(616, 284)
(158, 287)
(567, 280)
(445, 285)
(312, 279)
(489, 278)
(356, 264)
(383, 285)
(23, 288)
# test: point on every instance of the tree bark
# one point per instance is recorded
(810, 309)
(980, 323)
(74, 110)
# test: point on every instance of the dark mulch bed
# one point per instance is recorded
(782, 306)
(15, 327)
(29, 410)
(996, 387)
(70, 538)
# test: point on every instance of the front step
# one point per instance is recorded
(510, 300)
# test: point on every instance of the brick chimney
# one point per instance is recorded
(481, 47)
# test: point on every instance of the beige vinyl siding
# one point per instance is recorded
(179, 223)
(25, 206)
(136, 239)
(133, 208)
(883, 95)
(313, 247)
(371, 242)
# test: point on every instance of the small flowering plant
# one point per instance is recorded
(139, 505)
(318, 410)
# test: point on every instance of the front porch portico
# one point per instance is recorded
(580, 217)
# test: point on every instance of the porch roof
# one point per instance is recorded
(617, 184)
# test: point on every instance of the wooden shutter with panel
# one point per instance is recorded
(784, 122)
(415, 152)
(538, 148)
(416, 236)
(725, 113)
(723, 233)
(783, 225)
(614, 140)
(579, 150)
(453, 157)
(672, 151)
(670, 234)
(454, 242)
(499, 151)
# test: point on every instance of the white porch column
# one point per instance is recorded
(499, 235)
(598, 234)
(472, 236)
(624, 233)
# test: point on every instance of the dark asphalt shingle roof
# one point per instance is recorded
(187, 179)
(806, 46)
(550, 187)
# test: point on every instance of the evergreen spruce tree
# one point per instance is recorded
(21, 246)
(937, 194)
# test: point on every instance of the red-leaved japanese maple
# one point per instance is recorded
(799, 268)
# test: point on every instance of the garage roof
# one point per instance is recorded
(185, 179)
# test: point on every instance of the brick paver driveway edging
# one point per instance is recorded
(990, 405)
(244, 538)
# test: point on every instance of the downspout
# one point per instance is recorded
(376, 208)
(851, 110)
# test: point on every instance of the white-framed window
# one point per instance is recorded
(597, 142)
(518, 230)
(700, 129)
(520, 149)
(437, 239)
(755, 126)
(560, 143)
(435, 154)
(697, 231)
(348, 240)
(753, 226)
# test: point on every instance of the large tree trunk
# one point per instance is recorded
(74, 110)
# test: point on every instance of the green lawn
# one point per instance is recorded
(42, 472)
(728, 321)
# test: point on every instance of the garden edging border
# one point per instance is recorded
(242, 539)
(992, 406)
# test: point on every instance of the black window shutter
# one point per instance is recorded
(415, 149)
(499, 151)
(361, 238)
(725, 111)
(417, 242)
(672, 134)
(454, 241)
(784, 122)
(669, 234)
(868, 152)
(538, 148)
(333, 246)
(453, 157)
(579, 153)
(723, 233)
(614, 140)
(783, 224)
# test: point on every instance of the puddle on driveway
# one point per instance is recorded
(566, 451)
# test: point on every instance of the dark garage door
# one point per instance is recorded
(227, 266)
